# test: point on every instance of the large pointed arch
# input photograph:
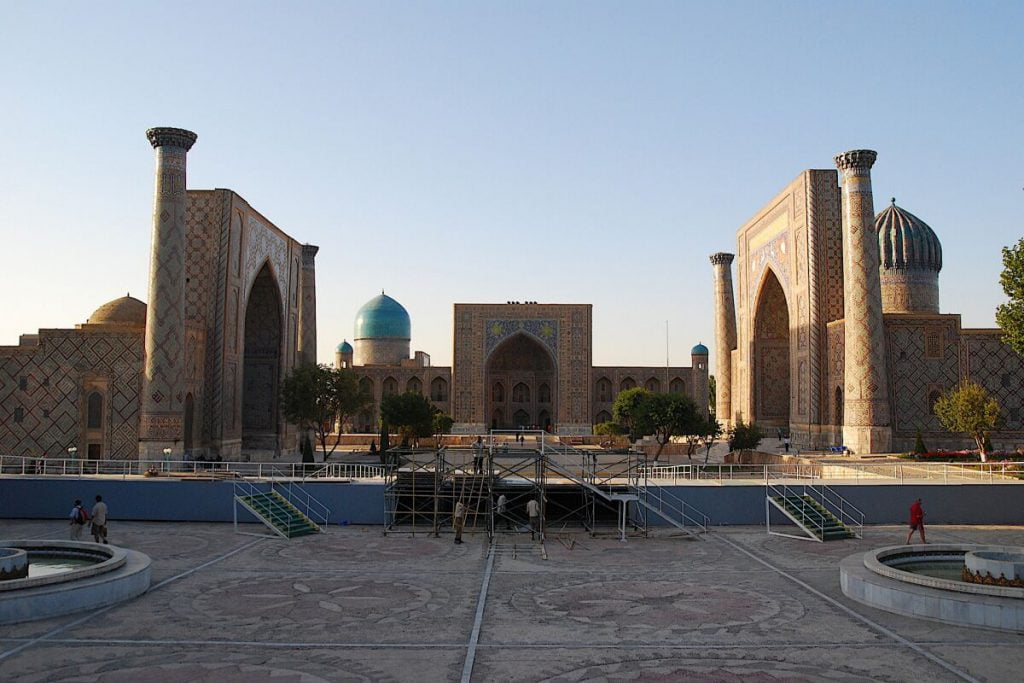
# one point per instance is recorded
(524, 362)
(262, 363)
(771, 354)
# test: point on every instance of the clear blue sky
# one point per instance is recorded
(568, 152)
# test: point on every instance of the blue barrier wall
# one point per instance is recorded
(186, 501)
(52, 498)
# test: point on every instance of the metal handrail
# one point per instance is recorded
(244, 489)
(296, 495)
(783, 490)
(76, 467)
(676, 504)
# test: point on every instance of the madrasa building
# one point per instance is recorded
(514, 365)
(196, 371)
(833, 329)
(231, 310)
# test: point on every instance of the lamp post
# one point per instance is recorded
(73, 453)
(167, 460)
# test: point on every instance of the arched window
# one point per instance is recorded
(677, 386)
(837, 412)
(521, 418)
(627, 383)
(604, 390)
(544, 393)
(603, 416)
(933, 398)
(544, 420)
(414, 386)
(94, 418)
(439, 389)
(653, 385)
(498, 392)
(521, 393)
(366, 386)
(390, 386)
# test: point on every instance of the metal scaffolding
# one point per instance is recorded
(594, 490)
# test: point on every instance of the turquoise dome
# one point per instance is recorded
(699, 350)
(383, 318)
(344, 347)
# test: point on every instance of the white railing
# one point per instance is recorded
(843, 510)
(672, 506)
(908, 471)
(77, 468)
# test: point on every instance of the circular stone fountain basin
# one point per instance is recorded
(920, 581)
(990, 566)
(13, 564)
(76, 576)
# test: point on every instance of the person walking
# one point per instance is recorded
(916, 521)
(533, 512)
(459, 521)
(78, 519)
(99, 520)
(501, 510)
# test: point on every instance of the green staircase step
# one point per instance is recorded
(815, 517)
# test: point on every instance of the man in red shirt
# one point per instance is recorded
(916, 521)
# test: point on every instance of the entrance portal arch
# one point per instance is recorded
(261, 421)
(525, 364)
(771, 355)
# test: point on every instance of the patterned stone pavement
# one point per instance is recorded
(353, 605)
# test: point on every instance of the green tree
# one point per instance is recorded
(441, 424)
(316, 397)
(711, 431)
(1010, 316)
(411, 413)
(609, 429)
(627, 411)
(712, 394)
(668, 415)
(744, 436)
(971, 410)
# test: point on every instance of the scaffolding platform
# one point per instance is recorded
(598, 491)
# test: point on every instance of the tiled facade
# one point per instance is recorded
(792, 365)
(205, 379)
(524, 364)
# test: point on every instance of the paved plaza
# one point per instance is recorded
(353, 605)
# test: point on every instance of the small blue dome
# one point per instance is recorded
(699, 350)
(383, 318)
(344, 347)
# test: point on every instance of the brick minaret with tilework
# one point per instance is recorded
(307, 305)
(163, 381)
(725, 336)
(866, 418)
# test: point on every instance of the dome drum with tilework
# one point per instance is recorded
(910, 258)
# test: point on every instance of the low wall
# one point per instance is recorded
(186, 501)
(52, 498)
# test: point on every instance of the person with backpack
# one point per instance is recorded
(79, 518)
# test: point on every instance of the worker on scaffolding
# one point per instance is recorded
(478, 456)
(459, 521)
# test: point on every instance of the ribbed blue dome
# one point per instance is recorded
(905, 242)
(344, 347)
(699, 350)
(383, 318)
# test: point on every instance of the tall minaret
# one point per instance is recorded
(725, 336)
(865, 397)
(163, 380)
(307, 306)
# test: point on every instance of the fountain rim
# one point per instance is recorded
(115, 558)
(873, 561)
